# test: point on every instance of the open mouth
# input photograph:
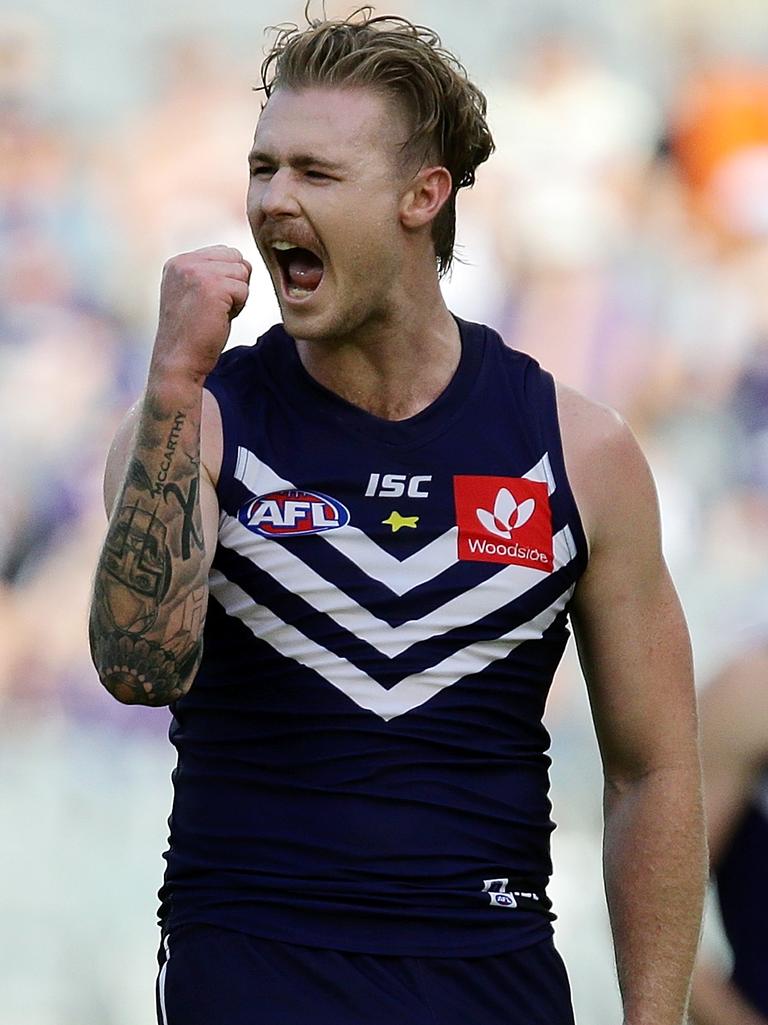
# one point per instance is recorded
(302, 270)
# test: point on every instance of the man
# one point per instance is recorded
(377, 500)
(734, 709)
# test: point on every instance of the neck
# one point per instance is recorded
(394, 368)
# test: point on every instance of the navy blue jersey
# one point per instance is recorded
(742, 885)
(361, 758)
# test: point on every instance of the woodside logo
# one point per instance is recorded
(504, 519)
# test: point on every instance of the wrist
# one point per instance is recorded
(181, 364)
(173, 385)
(169, 398)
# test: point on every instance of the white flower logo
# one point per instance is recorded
(507, 515)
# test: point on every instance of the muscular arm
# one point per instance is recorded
(734, 717)
(634, 648)
(150, 589)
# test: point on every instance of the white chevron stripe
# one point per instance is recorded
(360, 549)
(468, 607)
(358, 686)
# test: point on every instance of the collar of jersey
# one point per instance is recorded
(416, 430)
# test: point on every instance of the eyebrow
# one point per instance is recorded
(300, 160)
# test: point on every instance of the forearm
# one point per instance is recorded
(150, 589)
(716, 1001)
(655, 877)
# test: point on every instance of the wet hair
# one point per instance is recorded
(446, 112)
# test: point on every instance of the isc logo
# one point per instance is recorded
(292, 512)
(395, 485)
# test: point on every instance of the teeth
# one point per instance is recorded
(284, 246)
(298, 293)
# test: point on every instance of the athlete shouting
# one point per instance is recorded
(347, 557)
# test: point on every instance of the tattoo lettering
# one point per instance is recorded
(137, 472)
(191, 536)
(170, 451)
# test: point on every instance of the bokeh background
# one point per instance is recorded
(619, 234)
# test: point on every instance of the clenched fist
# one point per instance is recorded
(200, 294)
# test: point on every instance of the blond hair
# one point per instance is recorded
(447, 112)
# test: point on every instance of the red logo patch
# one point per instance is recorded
(504, 519)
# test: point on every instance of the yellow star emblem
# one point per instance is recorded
(396, 521)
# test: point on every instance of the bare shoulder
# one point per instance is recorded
(608, 473)
(588, 420)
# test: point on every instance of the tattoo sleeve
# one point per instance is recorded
(150, 590)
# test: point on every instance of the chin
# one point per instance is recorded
(326, 320)
(314, 326)
(305, 326)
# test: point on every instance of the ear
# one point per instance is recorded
(424, 197)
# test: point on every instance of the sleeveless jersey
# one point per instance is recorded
(742, 887)
(361, 759)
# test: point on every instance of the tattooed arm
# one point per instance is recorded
(151, 590)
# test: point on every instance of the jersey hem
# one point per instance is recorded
(459, 948)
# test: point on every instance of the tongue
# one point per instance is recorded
(304, 270)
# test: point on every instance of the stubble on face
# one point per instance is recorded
(329, 172)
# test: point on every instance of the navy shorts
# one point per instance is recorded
(212, 976)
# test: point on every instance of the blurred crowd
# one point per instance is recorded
(619, 234)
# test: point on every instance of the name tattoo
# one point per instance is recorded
(170, 451)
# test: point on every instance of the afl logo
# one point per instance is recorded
(292, 512)
(503, 900)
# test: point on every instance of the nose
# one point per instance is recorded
(277, 197)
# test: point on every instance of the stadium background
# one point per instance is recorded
(620, 234)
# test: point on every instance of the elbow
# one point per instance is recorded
(137, 671)
(129, 686)
(128, 689)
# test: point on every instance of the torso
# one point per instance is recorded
(362, 758)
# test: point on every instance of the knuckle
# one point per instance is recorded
(192, 274)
